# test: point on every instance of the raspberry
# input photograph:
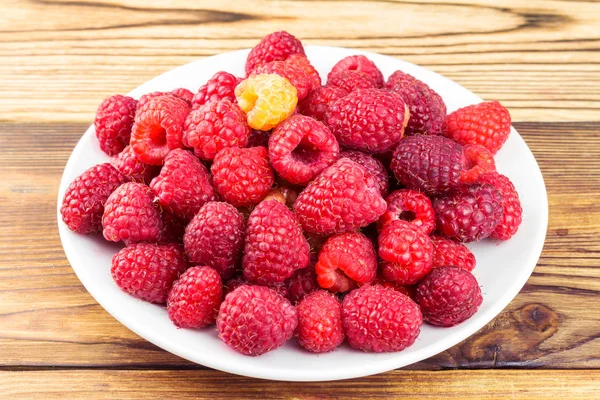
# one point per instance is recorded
(347, 260)
(239, 280)
(297, 76)
(83, 204)
(215, 126)
(131, 215)
(221, 86)
(316, 103)
(470, 213)
(127, 163)
(372, 165)
(180, 93)
(344, 197)
(361, 64)
(215, 237)
(479, 161)
(371, 120)
(158, 128)
(276, 46)
(448, 296)
(450, 253)
(147, 271)
(513, 213)
(320, 326)
(242, 176)
(300, 148)
(195, 298)
(255, 319)
(349, 81)
(183, 185)
(267, 99)
(406, 251)
(258, 138)
(411, 206)
(183, 94)
(174, 228)
(486, 124)
(300, 61)
(378, 319)
(302, 283)
(113, 123)
(407, 290)
(427, 108)
(275, 246)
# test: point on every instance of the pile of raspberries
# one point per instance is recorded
(276, 206)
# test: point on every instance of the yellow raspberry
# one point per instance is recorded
(267, 99)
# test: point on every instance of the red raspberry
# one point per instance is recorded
(316, 103)
(406, 251)
(276, 46)
(183, 185)
(344, 197)
(407, 290)
(448, 296)
(255, 319)
(300, 61)
(131, 215)
(127, 163)
(372, 165)
(215, 126)
(215, 237)
(371, 120)
(297, 76)
(195, 298)
(300, 148)
(320, 326)
(302, 283)
(147, 271)
(83, 204)
(347, 260)
(427, 108)
(239, 280)
(275, 246)
(158, 128)
(349, 81)
(447, 252)
(180, 93)
(183, 94)
(411, 206)
(486, 124)
(242, 176)
(361, 64)
(113, 123)
(479, 161)
(378, 319)
(513, 212)
(470, 213)
(221, 86)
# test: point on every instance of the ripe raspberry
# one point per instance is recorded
(407, 290)
(486, 124)
(320, 326)
(479, 161)
(195, 298)
(349, 81)
(179, 93)
(255, 319)
(183, 185)
(147, 271)
(277, 46)
(300, 61)
(406, 251)
(372, 165)
(239, 280)
(371, 120)
(347, 260)
(221, 86)
(448, 296)
(214, 127)
(360, 64)
(378, 319)
(131, 215)
(183, 94)
(316, 103)
(113, 123)
(158, 128)
(267, 99)
(344, 197)
(127, 163)
(302, 283)
(215, 237)
(83, 204)
(242, 176)
(297, 76)
(300, 148)
(448, 253)
(275, 246)
(470, 213)
(411, 206)
(427, 108)
(513, 213)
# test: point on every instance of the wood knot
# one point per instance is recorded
(562, 232)
(538, 317)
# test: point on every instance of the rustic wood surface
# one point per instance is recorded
(59, 59)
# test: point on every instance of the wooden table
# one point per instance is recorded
(59, 59)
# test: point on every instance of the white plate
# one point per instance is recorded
(502, 268)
